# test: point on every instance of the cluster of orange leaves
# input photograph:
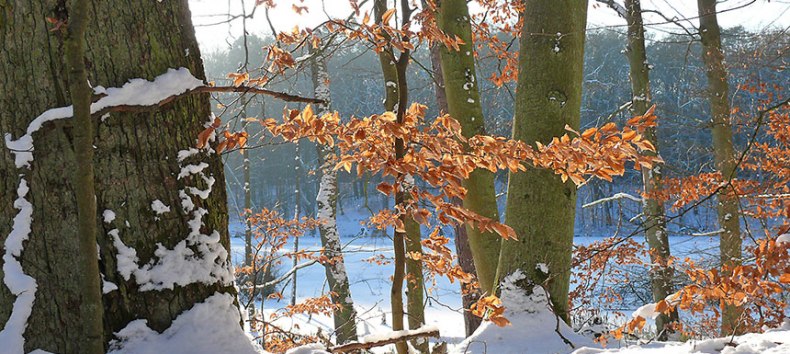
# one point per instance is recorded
(490, 307)
(756, 286)
(439, 155)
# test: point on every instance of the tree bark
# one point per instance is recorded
(462, 248)
(406, 268)
(540, 207)
(653, 209)
(91, 309)
(345, 317)
(723, 149)
(463, 104)
(136, 162)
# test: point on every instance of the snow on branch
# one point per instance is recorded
(137, 95)
(617, 196)
(709, 233)
(615, 6)
(378, 340)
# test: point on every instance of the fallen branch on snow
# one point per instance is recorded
(373, 341)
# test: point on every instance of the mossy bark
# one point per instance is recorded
(135, 162)
(653, 209)
(723, 150)
(391, 98)
(462, 248)
(463, 104)
(540, 207)
(408, 240)
(91, 309)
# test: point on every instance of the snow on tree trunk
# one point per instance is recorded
(723, 150)
(540, 207)
(156, 266)
(533, 326)
(326, 202)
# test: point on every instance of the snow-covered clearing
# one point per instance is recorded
(532, 329)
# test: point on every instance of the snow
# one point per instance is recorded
(20, 284)
(646, 311)
(159, 208)
(532, 328)
(380, 337)
(774, 341)
(207, 328)
(184, 154)
(191, 169)
(313, 348)
(200, 258)
(543, 267)
(107, 286)
(108, 216)
(136, 92)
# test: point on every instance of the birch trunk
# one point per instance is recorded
(136, 162)
(326, 202)
(723, 149)
(540, 207)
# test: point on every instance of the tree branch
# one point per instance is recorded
(393, 337)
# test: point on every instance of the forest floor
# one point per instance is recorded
(370, 286)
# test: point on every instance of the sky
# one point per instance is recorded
(214, 31)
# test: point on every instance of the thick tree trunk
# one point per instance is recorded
(653, 209)
(540, 207)
(462, 248)
(463, 103)
(345, 317)
(136, 163)
(723, 149)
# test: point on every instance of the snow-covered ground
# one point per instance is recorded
(370, 285)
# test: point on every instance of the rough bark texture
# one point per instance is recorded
(135, 160)
(326, 201)
(463, 103)
(462, 248)
(653, 210)
(723, 149)
(90, 282)
(540, 207)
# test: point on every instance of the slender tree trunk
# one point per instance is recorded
(136, 163)
(297, 193)
(723, 149)
(462, 248)
(345, 317)
(245, 155)
(463, 104)
(408, 240)
(540, 207)
(390, 72)
(653, 209)
(91, 307)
